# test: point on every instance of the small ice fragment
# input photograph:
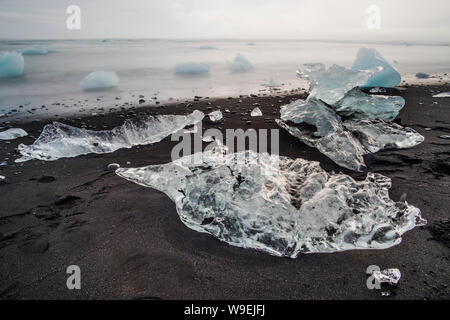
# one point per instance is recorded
(215, 116)
(256, 112)
(442, 95)
(377, 90)
(241, 64)
(208, 139)
(2, 178)
(270, 83)
(191, 68)
(369, 58)
(421, 75)
(385, 293)
(2, 164)
(100, 80)
(12, 134)
(112, 167)
(35, 50)
(12, 64)
(391, 276)
(445, 136)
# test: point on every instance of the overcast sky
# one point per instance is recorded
(409, 20)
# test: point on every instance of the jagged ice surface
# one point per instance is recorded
(215, 116)
(11, 64)
(12, 133)
(278, 205)
(100, 80)
(59, 140)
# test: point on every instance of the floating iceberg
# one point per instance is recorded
(100, 80)
(59, 140)
(215, 116)
(278, 205)
(11, 64)
(442, 95)
(331, 85)
(256, 112)
(191, 68)
(360, 105)
(241, 64)
(344, 142)
(391, 276)
(12, 134)
(35, 50)
(369, 58)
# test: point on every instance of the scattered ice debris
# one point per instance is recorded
(368, 58)
(191, 68)
(100, 80)
(446, 137)
(270, 83)
(390, 276)
(112, 167)
(59, 140)
(442, 95)
(35, 50)
(215, 116)
(256, 112)
(421, 75)
(377, 90)
(330, 85)
(344, 142)
(365, 106)
(241, 64)
(278, 205)
(12, 134)
(12, 64)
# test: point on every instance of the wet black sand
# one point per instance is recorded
(130, 243)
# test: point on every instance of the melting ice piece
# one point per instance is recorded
(215, 116)
(270, 83)
(12, 133)
(35, 50)
(241, 64)
(100, 80)
(11, 64)
(191, 68)
(316, 124)
(369, 58)
(330, 85)
(391, 276)
(278, 205)
(59, 140)
(442, 95)
(256, 112)
(360, 105)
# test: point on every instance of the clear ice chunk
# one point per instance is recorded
(390, 276)
(241, 64)
(12, 134)
(330, 85)
(12, 64)
(360, 105)
(59, 140)
(191, 68)
(215, 116)
(100, 80)
(368, 58)
(278, 205)
(35, 50)
(442, 95)
(256, 112)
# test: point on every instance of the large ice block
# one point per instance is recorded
(12, 64)
(100, 80)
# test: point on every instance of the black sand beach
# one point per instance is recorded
(130, 243)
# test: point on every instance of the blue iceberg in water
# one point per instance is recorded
(100, 80)
(35, 50)
(191, 68)
(370, 58)
(241, 64)
(11, 64)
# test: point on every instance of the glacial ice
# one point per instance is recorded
(330, 85)
(35, 50)
(344, 142)
(59, 140)
(100, 80)
(215, 116)
(11, 64)
(241, 64)
(191, 68)
(391, 276)
(360, 105)
(12, 134)
(270, 83)
(442, 95)
(278, 205)
(256, 112)
(368, 58)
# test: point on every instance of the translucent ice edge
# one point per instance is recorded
(278, 205)
(59, 140)
(12, 133)
(12, 64)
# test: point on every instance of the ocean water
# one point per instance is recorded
(146, 67)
